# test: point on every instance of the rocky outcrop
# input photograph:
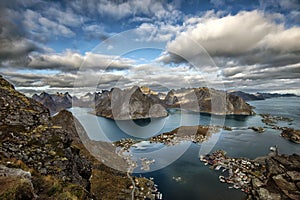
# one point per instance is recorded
(17, 110)
(43, 157)
(291, 134)
(265, 178)
(129, 104)
(15, 184)
(257, 129)
(30, 141)
(282, 178)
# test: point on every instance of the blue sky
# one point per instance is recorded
(98, 44)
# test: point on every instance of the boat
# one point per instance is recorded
(218, 167)
(222, 179)
(236, 186)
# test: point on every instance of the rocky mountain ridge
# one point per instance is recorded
(259, 96)
(60, 101)
(137, 102)
(42, 157)
(55, 102)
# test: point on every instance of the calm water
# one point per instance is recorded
(182, 160)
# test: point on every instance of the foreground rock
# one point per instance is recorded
(31, 142)
(130, 104)
(43, 157)
(271, 177)
(15, 184)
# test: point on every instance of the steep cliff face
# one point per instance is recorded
(130, 104)
(236, 105)
(171, 99)
(207, 100)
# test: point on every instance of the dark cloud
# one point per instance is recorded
(13, 41)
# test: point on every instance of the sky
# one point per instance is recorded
(89, 45)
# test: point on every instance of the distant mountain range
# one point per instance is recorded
(259, 96)
(142, 102)
(54, 102)
(174, 98)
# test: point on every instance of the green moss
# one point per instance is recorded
(16, 188)
(60, 152)
(77, 191)
(56, 188)
(54, 140)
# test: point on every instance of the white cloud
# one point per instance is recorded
(41, 26)
(235, 35)
(217, 3)
(117, 10)
(157, 32)
(66, 17)
(72, 61)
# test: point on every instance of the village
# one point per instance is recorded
(235, 171)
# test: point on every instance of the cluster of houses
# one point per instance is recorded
(235, 171)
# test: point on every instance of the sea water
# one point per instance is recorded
(197, 181)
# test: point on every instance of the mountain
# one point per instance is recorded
(207, 100)
(54, 102)
(142, 102)
(43, 157)
(137, 103)
(247, 96)
(171, 99)
(258, 95)
(274, 95)
(129, 104)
